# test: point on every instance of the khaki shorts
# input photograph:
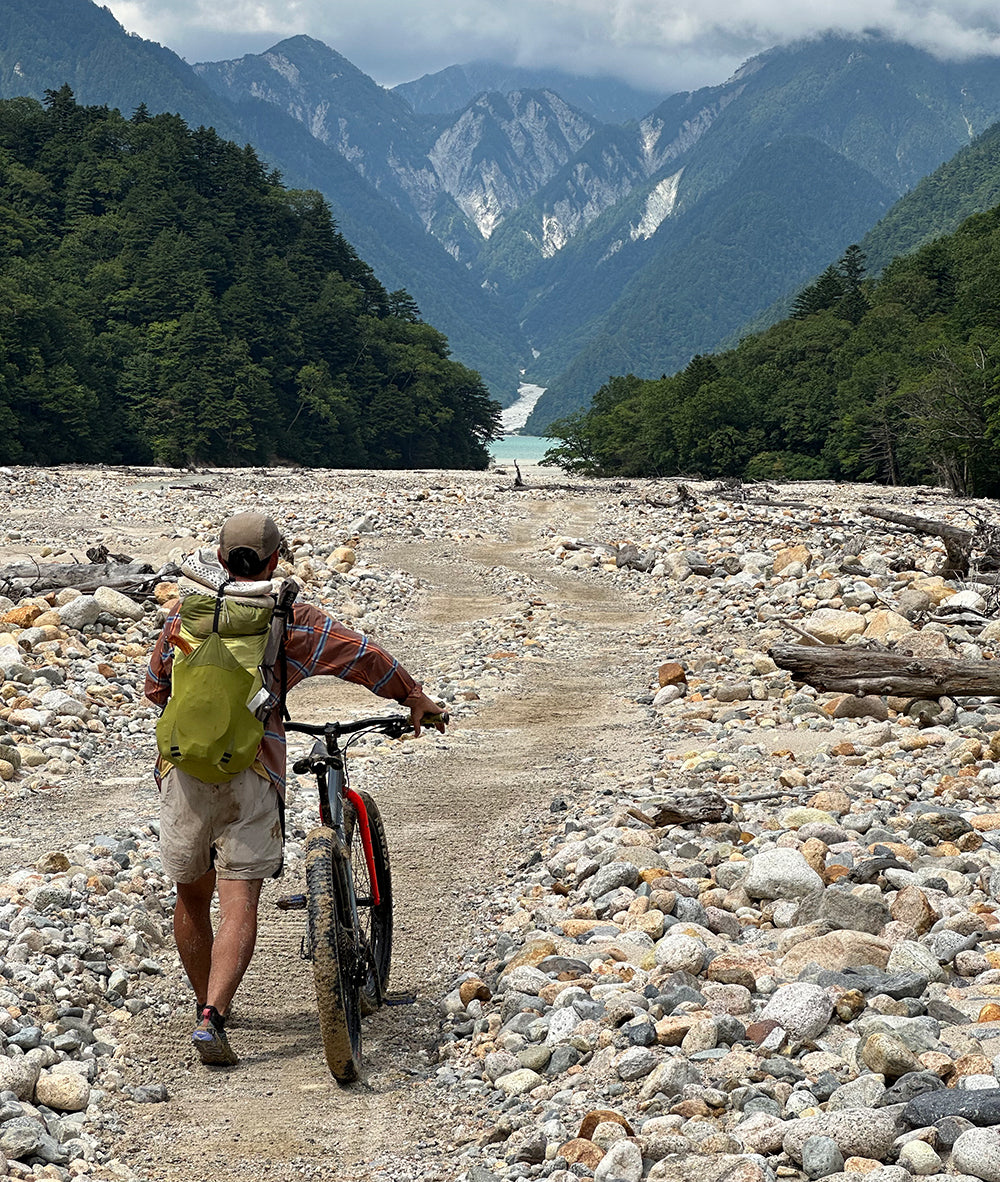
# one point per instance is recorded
(235, 827)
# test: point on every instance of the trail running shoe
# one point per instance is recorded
(211, 1043)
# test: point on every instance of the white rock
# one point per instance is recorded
(621, 1163)
(19, 1075)
(64, 1093)
(803, 1010)
(969, 599)
(118, 605)
(79, 612)
(781, 874)
(680, 953)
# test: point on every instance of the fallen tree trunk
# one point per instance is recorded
(957, 541)
(837, 669)
(21, 579)
(684, 805)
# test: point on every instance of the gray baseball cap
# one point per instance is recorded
(249, 531)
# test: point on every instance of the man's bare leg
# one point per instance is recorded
(235, 939)
(193, 931)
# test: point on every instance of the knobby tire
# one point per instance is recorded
(375, 921)
(334, 954)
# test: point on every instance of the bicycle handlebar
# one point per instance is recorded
(389, 721)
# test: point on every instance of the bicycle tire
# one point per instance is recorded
(375, 920)
(334, 954)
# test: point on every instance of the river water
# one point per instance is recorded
(528, 449)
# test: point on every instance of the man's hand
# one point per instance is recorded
(425, 708)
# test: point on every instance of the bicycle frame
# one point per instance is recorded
(331, 778)
(326, 762)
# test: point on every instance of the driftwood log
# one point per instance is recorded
(838, 669)
(684, 805)
(957, 541)
(135, 579)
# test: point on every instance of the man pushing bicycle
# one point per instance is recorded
(228, 653)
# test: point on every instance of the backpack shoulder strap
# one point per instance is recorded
(218, 604)
(274, 651)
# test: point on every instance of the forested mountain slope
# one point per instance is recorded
(892, 380)
(788, 204)
(888, 110)
(168, 300)
(531, 232)
(47, 43)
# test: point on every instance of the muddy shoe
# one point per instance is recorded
(211, 1043)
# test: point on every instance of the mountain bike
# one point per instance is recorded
(348, 897)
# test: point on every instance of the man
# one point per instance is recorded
(228, 836)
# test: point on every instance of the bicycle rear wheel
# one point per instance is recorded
(334, 946)
(375, 919)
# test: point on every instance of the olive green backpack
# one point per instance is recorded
(224, 658)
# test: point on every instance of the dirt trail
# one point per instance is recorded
(455, 817)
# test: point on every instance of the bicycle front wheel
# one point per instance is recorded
(375, 919)
(334, 953)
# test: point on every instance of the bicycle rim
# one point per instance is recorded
(375, 920)
(334, 954)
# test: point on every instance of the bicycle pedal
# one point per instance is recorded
(291, 903)
(401, 997)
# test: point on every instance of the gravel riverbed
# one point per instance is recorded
(806, 985)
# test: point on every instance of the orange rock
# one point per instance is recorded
(814, 851)
(968, 843)
(739, 968)
(163, 593)
(989, 1013)
(937, 1061)
(897, 849)
(833, 800)
(670, 1031)
(691, 1108)
(972, 1064)
(850, 1004)
(671, 673)
(600, 1116)
(579, 927)
(474, 990)
(533, 952)
(861, 1165)
(985, 822)
(844, 749)
(22, 617)
(581, 1150)
(789, 555)
(835, 873)
(911, 906)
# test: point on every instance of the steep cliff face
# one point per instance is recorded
(503, 148)
(459, 175)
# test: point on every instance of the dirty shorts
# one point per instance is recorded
(235, 827)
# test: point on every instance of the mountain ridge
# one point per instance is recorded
(523, 225)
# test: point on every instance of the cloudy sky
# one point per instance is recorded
(665, 45)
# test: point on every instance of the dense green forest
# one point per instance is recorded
(164, 298)
(895, 381)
